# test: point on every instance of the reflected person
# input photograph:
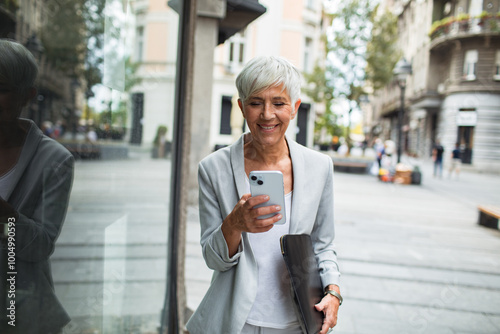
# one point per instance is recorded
(36, 175)
(250, 289)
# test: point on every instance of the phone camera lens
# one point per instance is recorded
(260, 182)
(254, 177)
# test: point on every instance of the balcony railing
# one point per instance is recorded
(455, 26)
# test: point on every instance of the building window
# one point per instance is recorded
(496, 76)
(140, 43)
(470, 65)
(310, 4)
(475, 7)
(231, 52)
(236, 56)
(307, 55)
(242, 52)
(225, 116)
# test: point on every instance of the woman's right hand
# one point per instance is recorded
(244, 218)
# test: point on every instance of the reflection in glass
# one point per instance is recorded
(106, 92)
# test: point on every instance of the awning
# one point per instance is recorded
(239, 14)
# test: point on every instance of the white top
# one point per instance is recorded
(273, 306)
(6, 182)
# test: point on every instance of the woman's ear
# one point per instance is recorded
(240, 104)
(296, 108)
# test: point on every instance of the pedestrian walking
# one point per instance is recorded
(456, 161)
(437, 156)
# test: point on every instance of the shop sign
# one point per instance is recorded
(466, 118)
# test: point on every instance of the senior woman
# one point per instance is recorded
(36, 174)
(250, 289)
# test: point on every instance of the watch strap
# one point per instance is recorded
(336, 295)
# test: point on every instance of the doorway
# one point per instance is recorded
(465, 138)
(302, 121)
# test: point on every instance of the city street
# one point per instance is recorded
(413, 258)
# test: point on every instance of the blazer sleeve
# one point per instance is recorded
(213, 243)
(323, 233)
(36, 235)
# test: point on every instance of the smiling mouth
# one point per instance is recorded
(269, 127)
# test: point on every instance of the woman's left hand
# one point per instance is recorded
(329, 305)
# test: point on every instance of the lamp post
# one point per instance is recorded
(35, 46)
(401, 71)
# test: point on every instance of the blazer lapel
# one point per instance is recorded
(238, 166)
(298, 167)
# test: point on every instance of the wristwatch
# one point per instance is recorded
(336, 295)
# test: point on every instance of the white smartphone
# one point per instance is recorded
(270, 183)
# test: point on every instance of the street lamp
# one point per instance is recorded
(401, 72)
(34, 45)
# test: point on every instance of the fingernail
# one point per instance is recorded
(278, 208)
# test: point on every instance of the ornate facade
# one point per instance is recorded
(453, 94)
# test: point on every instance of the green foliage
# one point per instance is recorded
(347, 52)
(343, 76)
(463, 17)
(63, 36)
(94, 19)
(318, 88)
(9, 4)
(73, 38)
(131, 79)
(441, 26)
(382, 50)
(328, 122)
(351, 28)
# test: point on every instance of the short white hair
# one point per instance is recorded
(18, 68)
(268, 71)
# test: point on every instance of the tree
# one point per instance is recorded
(319, 89)
(73, 38)
(382, 50)
(94, 19)
(63, 36)
(347, 44)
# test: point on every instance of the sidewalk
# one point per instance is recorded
(413, 258)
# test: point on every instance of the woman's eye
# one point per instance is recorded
(279, 104)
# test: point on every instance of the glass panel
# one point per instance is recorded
(105, 92)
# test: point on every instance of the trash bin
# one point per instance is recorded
(416, 177)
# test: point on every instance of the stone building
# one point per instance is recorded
(453, 94)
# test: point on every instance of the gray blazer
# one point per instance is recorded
(222, 182)
(42, 183)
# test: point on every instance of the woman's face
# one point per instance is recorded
(268, 114)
